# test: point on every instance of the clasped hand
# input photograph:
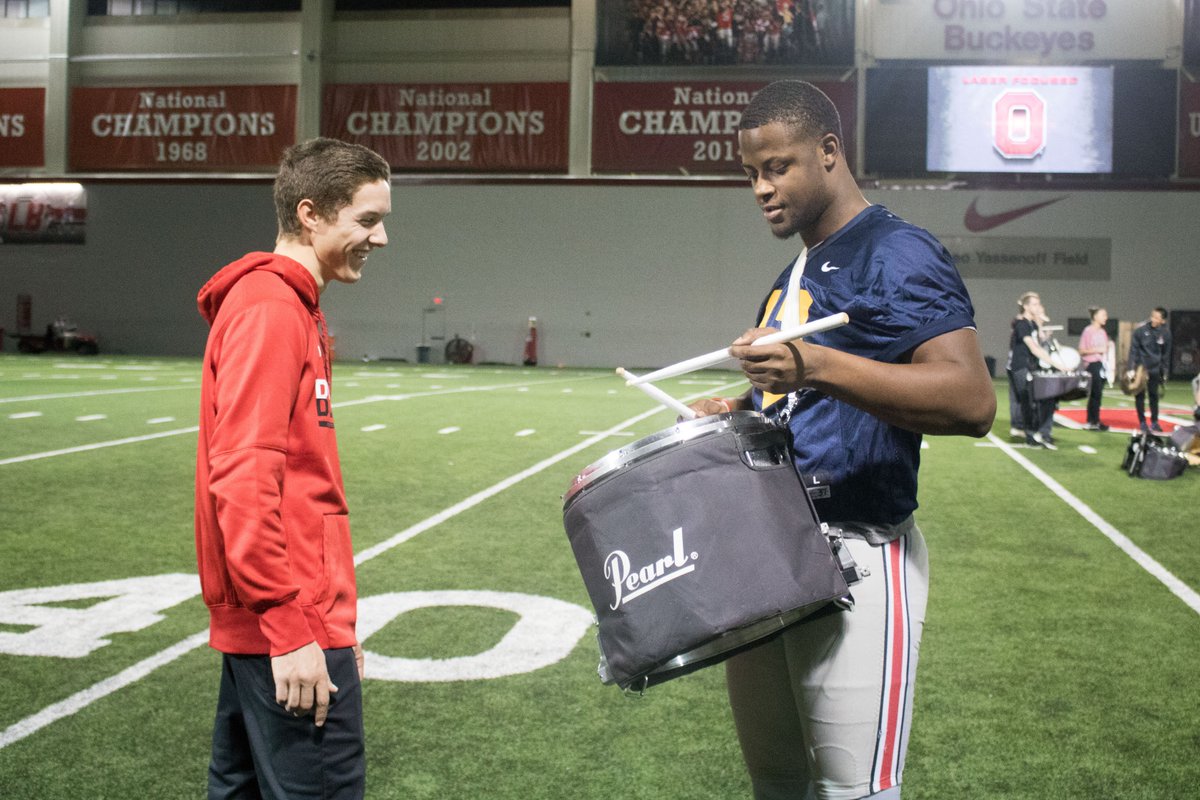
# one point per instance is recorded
(777, 368)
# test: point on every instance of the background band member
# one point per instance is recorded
(1151, 348)
(1027, 351)
(1093, 348)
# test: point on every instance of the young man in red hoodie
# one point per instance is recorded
(272, 532)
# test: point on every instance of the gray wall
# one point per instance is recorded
(617, 274)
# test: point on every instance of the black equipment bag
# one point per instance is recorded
(1152, 457)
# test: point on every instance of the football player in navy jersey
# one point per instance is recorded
(823, 711)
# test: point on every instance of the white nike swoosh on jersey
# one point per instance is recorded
(826, 268)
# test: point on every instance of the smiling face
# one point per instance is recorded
(790, 176)
(343, 243)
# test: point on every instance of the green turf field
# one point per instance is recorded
(1055, 664)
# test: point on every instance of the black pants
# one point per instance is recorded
(1095, 369)
(1033, 411)
(1152, 389)
(261, 751)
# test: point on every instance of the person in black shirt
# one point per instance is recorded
(1027, 351)
(1151, 348)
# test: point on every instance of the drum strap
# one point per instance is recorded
(791, 303)
(789, 317)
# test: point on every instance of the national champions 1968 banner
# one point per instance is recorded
(185, 128)
(685, 127)
(454, 127)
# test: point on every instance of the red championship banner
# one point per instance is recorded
(454, 127)
(188, 128)
(687, 128)
(1189, 129)
(22, 127)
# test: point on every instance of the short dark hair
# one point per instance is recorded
(1162, 311)
(326, 171)
(798, 104)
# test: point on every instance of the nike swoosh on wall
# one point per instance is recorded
(977, 223)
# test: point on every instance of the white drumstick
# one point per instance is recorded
(657, 393)
(717, 356)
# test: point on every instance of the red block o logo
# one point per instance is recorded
(1019, 124)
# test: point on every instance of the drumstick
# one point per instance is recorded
(657, 393)
(717, 356)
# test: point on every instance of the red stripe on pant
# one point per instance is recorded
(895, 668)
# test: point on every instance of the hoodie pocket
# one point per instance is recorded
(336, 553)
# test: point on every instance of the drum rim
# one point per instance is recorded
(680, 432)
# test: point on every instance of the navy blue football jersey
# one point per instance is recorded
(900, 288)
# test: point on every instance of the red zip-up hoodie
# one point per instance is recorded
(272, 532)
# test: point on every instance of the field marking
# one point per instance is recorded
(25, 415)
(1140, 557)
(195, 428)
(96, 446)
(94, 393)
(85, 697)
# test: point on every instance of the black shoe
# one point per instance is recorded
(1154, 426)
(1100, 426)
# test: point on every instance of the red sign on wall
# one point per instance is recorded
(687, 128)
(454, 127)
(186, 128)
(1189, 129)
(22, 127)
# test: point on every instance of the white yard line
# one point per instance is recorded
(1143, 559)
(193, 429)
(96, 446)
(94, 393)
(82, 699)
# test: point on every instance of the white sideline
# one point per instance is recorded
(85, 697)
(1140, 557)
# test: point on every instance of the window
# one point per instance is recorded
(21, 9)
(137, 8)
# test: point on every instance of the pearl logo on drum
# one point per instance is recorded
(629, 583)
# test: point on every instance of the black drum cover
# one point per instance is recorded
(694, 544)
(1064, 386)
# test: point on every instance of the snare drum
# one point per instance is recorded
(695, 543)
(1064, 386)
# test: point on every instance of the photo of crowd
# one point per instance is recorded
(721, 32)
